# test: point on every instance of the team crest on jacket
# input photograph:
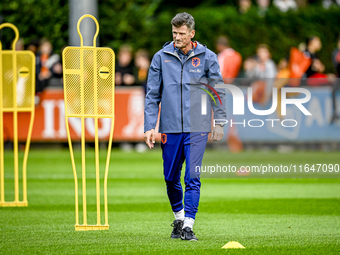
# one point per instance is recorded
(196, 62)
(163, 138)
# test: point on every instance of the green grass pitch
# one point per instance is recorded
(267, 216)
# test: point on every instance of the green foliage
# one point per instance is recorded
(131, 23)
(280, 31)
(36, 19)
(127, 21)
(146, 24)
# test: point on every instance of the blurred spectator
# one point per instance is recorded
(142, 62)
(124, 77)
(283, 73)
(247, 74)
(265, 71)
(336, 87)
(124, 67)
(282, 69)
(315, 72)
(265, 67)
(33, 46)
(285, 5)
(281, 81)
(57, 68)
(244, 6)
(229, 60)
(262, 7)
(312, 47)
(47, 65)
(336, 58)
(20, 44)
(249, 66)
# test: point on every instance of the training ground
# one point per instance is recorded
(267, 216)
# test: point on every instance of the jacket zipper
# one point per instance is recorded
(182, 89)
(182, 97)
(182, 65)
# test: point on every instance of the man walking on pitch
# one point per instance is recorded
(179, 78)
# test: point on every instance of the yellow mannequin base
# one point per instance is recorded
(14, 204)
(91, 227)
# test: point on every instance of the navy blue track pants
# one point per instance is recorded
(177, 148)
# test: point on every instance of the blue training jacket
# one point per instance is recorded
(179, 87)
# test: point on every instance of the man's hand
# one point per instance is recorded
(217, 133)
(149, 137)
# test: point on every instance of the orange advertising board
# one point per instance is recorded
(49, 121)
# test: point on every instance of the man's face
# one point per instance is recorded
(182, 36)
(46, 48)
(317, 43)
(263, 54)
(124, 58)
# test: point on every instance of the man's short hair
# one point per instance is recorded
(184, 19)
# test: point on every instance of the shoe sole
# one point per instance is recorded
(172, 237)
(195, 240)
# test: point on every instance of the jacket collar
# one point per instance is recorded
(170, 48)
